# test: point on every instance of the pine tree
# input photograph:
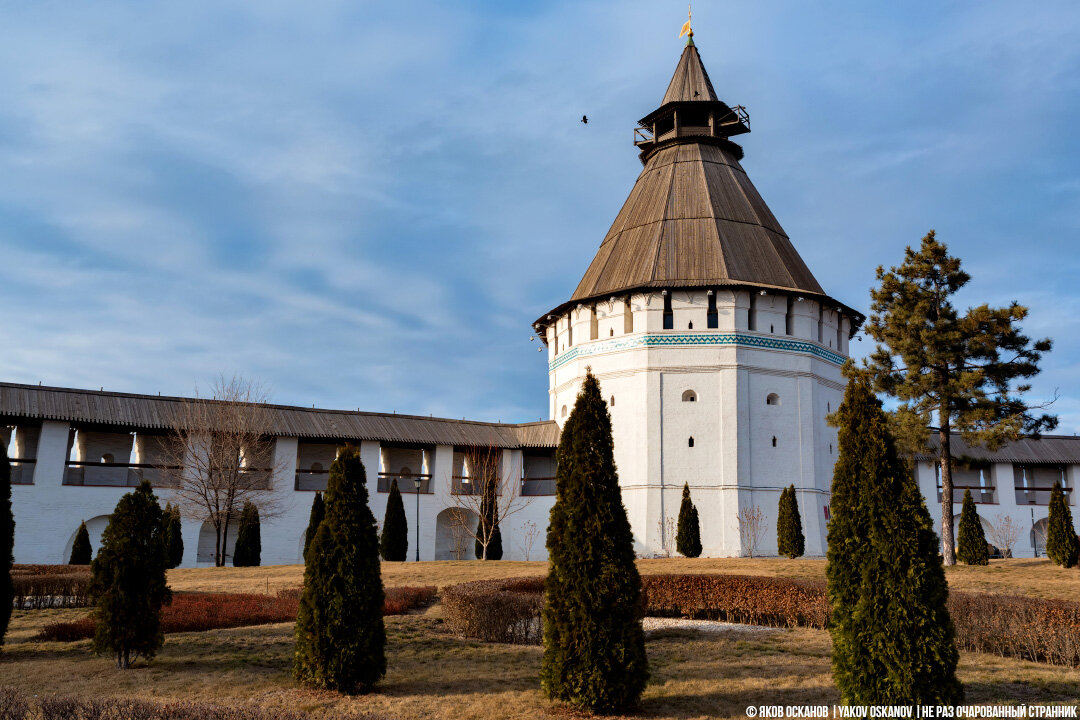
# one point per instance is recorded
(394, 543)
(790, 540)
(174, 538)
(489, 517)
(594, 647)
(318, 512)
(128, 579)
(248, 549)
(7, 542)
(1062, 545)
(688, 535)
(340, 638)
(971, 538)
(893, 640)
(954, 372)
(81, 553)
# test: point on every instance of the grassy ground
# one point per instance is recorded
(435, 675)
(1039, 578)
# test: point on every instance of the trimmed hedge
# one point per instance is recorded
(197, 612)
(50, 586)
(747, 599)
(1006, 625)
(505, 611)
(16, 705)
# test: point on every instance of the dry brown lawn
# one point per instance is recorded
(435, 675)
(1039, 578)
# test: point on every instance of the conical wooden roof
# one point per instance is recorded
(694, 219)
(690, 81)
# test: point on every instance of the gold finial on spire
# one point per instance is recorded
(686, 29)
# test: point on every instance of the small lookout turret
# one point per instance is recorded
(690, 109)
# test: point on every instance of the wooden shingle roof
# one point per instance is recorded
(694, 219)
(690, 81)
(149, 413)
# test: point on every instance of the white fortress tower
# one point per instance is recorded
(716, 349)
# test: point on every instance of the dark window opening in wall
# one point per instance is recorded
(828, 407)
(751, 314)
(713, 317)
(594, 324)
(689, 396)
(839, 331)
(789, 318)
(570, 328)
(774, 441)
(691, 443)
(611, 332)
(612, 403)
(107, 458)
(690, 325)
(669, 316)
(830, 448)
(772, 399)
(627, 317)
(820, 322)
(772, 329)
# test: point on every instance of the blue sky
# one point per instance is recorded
(366, 204)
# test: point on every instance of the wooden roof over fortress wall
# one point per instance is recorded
(126, 411)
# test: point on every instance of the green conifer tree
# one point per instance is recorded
(688, 534)
(7, 542)
(955, 372)
(174, 538)
(971, 545)
(790, 540)
(340, 638)
(81, 553)
(594, 647)
(1062, 545)
(893, 640)
(318, 512)
(248, 549)
(394, 543)
(127, 582)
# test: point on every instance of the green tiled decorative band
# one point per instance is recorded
(698, 339)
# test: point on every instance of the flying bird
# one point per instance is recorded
(585, 119)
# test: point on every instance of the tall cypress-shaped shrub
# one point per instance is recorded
(318, 512)
(489, 509)
(127, 583)
(340, 638)
(893, 640)
(174, 537)
(594, 647)
(7, 542)
(971, 547)
(394, 543)
(790, 540)
(688, 535)
(1062, 545)
(248, 549)
(81, 553)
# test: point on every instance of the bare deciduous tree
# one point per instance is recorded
(752, 527)
(219, 455)
(484, 482)
(1003, 534)
(529, 533)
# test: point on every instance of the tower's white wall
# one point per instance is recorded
(731, 371)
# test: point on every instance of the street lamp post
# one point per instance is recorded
(416, 481)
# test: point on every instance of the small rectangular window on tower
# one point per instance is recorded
(714, 318)
(669, 316)
(627, 316)
(594, 324)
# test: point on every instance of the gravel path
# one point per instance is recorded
(655, 624)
